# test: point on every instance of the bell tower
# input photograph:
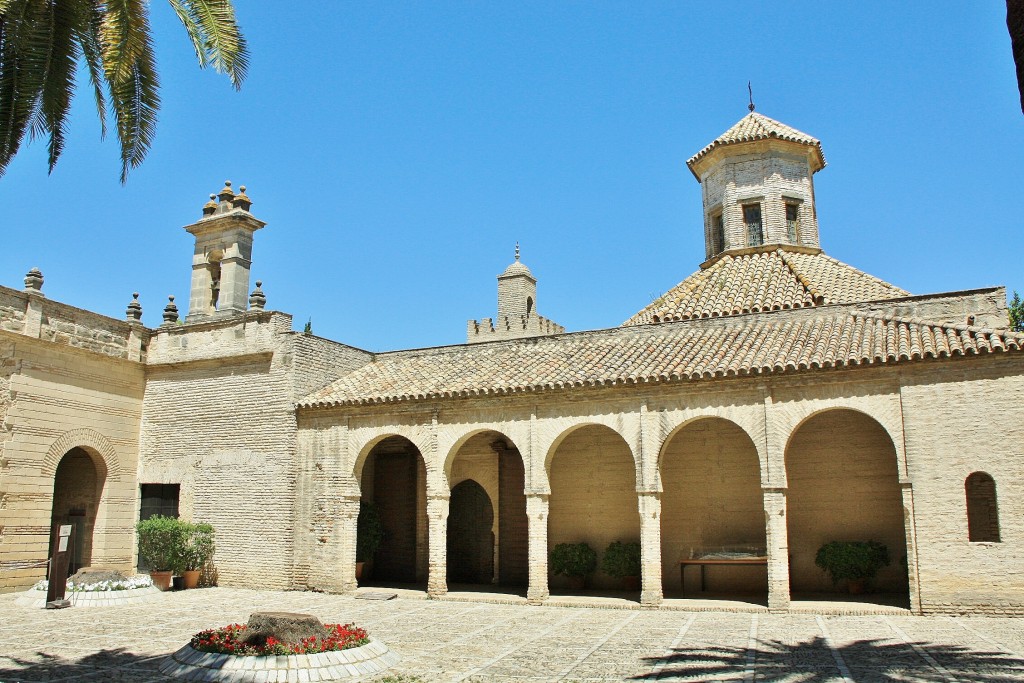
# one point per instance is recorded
(757, 183)
(223, 255)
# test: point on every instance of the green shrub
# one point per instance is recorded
(198, 547)
(573, 559)
(856, 560)
(160, 542)
(369, 532)
(621, 559)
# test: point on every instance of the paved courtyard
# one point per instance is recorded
(441, 640)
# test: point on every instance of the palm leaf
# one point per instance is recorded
(88, 37)
(130, 71)
(24, 53)
(59, 80)
(213, 29)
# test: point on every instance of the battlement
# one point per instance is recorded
(510, 327)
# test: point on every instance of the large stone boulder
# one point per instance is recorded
(287, 627)
(88, 576)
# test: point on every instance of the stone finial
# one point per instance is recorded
(170, 312)
(134, 311)
(226, 194)
(241, 200)
(257, 300)
(34, 281)
(517, 250)
(210, 207)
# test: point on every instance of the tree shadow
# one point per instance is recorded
(116, 665)
(812, 661)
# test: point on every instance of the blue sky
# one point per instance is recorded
(398, 151)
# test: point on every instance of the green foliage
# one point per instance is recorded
(160, 542)
(857, 560)
(573, 559)
(1016, 311)
(369, 531)
(621, 559)
(170, 544)
(41, 44)
(198, 547)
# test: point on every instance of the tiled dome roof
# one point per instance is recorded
(756, 126)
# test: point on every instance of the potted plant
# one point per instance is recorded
(575, 561)
(622, 560)
(369, 535)
(160, 542)
(856, 561)
(196, 551)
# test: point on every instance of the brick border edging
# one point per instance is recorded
(34, 598)
(190, 664)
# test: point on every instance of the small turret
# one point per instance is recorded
(757, 182)
(517, 309)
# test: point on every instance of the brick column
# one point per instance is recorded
(437, 545)
(778, 549)
(348, 521)
(910, 528)
(537, 515)
(650, 547)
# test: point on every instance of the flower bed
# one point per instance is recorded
(130, 583)
(229, 640)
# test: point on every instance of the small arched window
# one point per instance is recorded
(529, 305)
(982, 508)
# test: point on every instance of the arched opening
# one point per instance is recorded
(77, 487)
(529, 306)
(491, 462)
(593, 496)
(470, 535)
(712, 509)
(982, 508)
(394, 481)
(843, 486)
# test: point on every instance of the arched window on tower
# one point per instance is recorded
(529, 306)
(982, 508)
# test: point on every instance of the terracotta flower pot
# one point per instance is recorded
(161, 580)
(631, 583)
(856, 586)
(359, 570)
(577, 583)
(191, 577)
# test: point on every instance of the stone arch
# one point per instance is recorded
(755, 441)
(843, 474)
(593, 478)
(566, 430)
(103, 454)
(483, 456)
(711, 502)
(464, 438)
(364, 449)
(391, 472)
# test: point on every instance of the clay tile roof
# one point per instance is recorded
(687, 351)
(765, 281)
(756, 126)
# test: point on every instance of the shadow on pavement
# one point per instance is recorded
(106, 665)
(811, 661)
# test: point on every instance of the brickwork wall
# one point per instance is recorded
(711, 499)
(54, 397)
(766, 175)
(964, 419)
(513, 551)
(843, 486)
(593, 495)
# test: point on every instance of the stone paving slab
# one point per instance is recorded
(439, 640)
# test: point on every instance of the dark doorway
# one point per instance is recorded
(77, 486)
(395, 475)
(470, 535)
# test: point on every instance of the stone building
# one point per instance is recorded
(774, 400)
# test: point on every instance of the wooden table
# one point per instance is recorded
(703, 562)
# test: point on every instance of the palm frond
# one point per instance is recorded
(213, 29)
(59, 83)
(130, 71)
(24, 53)
(88, 37)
